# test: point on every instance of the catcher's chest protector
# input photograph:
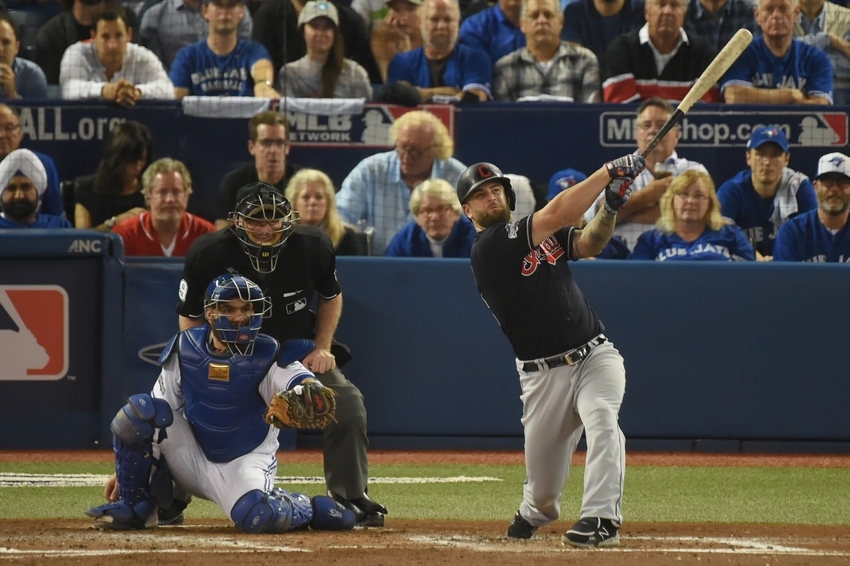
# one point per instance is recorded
(223, 402)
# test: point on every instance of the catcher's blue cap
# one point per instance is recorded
(564, 179)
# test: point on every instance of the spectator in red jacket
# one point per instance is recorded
(166, 229)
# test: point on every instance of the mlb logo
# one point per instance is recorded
(33, 332)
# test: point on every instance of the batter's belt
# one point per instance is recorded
(570, 358)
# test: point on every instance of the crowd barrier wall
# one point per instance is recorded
(534, 140)
(739, 355)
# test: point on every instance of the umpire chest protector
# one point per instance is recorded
(223, 401)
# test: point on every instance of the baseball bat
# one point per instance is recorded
(708, 79)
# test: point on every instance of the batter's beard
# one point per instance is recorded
(486, 219)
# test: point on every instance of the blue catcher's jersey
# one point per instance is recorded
(805, 238)
(223, 402)
(727, 244)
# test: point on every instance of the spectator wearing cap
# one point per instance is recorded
(495, 30)
(596, 23)
(400, 31)
(776, 68)
(762, 198)
(171, 25)
(276, 27)
(73, 24)
(324, 72)
(23, 180)
(19, 78)
(563, 180)
(110, 67)
(442, 67)
(166, 229)
(821, 235)
(440, 228)
(546, 65)
(223, 64)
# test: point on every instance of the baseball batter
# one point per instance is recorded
(202, 425)
(572, 377)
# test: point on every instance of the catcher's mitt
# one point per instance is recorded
(307, 405)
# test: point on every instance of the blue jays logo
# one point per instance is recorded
(837, 161)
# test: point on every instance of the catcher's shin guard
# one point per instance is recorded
(276, 512)
(328, 515)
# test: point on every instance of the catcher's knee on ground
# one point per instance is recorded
(280, 511)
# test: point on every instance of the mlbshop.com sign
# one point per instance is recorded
(804, 128)
(369, 128)
(33, 332)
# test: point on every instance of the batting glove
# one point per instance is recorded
(626, 166)
(617, 193)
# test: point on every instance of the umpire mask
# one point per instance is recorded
(263, 220)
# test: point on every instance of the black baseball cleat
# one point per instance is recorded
(173, 515)
(368, 513)
(520, 528)
(592, 532)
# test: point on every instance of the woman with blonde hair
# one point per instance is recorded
(691, 227)
(311, 193)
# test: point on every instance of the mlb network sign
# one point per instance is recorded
(33, 332)
(803, 128)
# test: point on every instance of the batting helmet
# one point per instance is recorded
(238, 338)
(262, 202)
(479, 173)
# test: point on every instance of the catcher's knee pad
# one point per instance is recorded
(258, 512)
(135, 421)
(328, 515)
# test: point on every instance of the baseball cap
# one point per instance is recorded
(564, 179)
(768, 134)
(834, 163)
(313, 10)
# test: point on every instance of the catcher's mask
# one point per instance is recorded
(234, 296)
(479, 173)
(262, 221)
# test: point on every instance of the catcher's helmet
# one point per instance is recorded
(262, 202)
(238, 338)
(479, 173)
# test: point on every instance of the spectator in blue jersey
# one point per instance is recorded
(440, 229)
(821, 235)
(719, 20)
(19, 78)
(691, 227)
(10, 140)
(595, 23)
(546, 67)
(495, 30)
(760, 199)
(223, 64)
(23, 180)
(776, 68)
(442, 67)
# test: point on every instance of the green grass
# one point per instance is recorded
(816, 496)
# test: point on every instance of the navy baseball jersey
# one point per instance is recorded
(204, 73)
(805, 238)
(761, 218)
(466, 67)
(727, 244)
(530, 290)
(290, 290)
(803, 67)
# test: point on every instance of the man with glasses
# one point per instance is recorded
(762, 198)
(166, 229)
(776, 68)
(821, 235)
(659, 59)
(223, 64)
(376, 194)
(269, 144)
(10, 140)
(642, 210)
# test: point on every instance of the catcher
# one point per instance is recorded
(208, 426)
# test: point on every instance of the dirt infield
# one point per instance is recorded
(204, 542)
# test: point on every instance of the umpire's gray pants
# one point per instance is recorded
(346, 464)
